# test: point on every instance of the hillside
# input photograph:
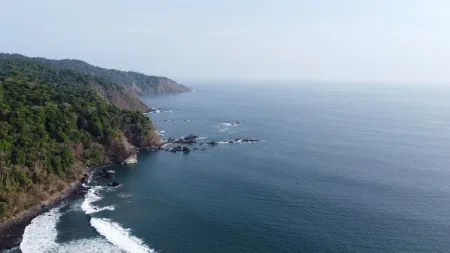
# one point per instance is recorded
(135, 82)
(43, 73)
(54, 123)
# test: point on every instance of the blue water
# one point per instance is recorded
(339, 169)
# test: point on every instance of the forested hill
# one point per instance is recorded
(136, 82)
(54, 123)
(43, 73)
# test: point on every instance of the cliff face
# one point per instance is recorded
(160, 85)
(135, 82)
(122, 98)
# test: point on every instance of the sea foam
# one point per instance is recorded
(92, 196)
(41, 234)
(119, 236)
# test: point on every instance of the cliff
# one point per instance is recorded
(134, 82)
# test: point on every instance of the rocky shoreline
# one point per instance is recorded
(11, 230)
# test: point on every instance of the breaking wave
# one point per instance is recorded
(41, 234)
(119, 236)
(93, 196)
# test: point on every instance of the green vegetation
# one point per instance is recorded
(36, 71)
(52, 124)
(132, 81)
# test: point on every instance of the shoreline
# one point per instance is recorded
(11, 230)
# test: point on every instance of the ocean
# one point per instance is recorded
(339, 168)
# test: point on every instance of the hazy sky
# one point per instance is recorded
(341, 40)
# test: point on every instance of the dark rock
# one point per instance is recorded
(85, 178)
(178, 149)
(212, 143)
(195, 149)
(230, 142)
(104, 173)
(188, 140)
(114, 184)
(203, 149)
(186, 150)
(246, 140)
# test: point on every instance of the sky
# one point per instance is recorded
(358, 41)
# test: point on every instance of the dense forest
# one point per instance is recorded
(135, 82)
(54, 123)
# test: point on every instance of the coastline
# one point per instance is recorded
(11, 230)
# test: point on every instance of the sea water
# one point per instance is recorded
(339, 168)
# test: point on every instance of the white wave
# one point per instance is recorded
(93, 196)
(162, 131)
(41, 234)
(201, 138)
(230, 124)
(90, 178)
(119, 236)
(111, 171)
(94, 245)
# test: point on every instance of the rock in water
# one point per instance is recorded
(114, 184)
(212, 143)
(131, 159)
(186, 150)
(189, 140)
(190, 137)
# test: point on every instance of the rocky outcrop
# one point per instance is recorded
(176, 149)
(212, 143)
(246, 140)
(114, 184)
(188, 140)
(131, 159)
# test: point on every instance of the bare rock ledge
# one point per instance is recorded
(131, 159)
